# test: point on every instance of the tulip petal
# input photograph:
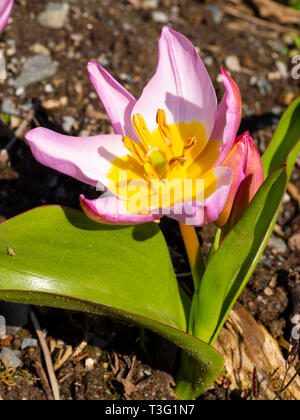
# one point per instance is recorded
(246, 164)
(86, 159)
(236, 161)
(254, 177)
(181, 85)
(197, 214)
(117, 101)
(5, 11)
(254, 163)
(112, 210)
(228, 117)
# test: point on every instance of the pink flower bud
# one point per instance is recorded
(246, 164)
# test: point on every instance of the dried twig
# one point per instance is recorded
(283, 14)
(139, 4)
(44, 380)
(79, 349)
(63, 358)
(243, 26)
(232, 11)
(245, 344)
(19, 132)
(81, 357)
(285, 385)
(64, 378)
(119, 373)
(47, 356)
(4, 155)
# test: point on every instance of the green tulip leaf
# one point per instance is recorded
(57, 257)
(234, 262)
(286, 138)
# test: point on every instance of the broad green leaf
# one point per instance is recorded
(235, 260)
(58, 257)
(285, 139)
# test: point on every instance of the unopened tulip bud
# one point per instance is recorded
(246, 164)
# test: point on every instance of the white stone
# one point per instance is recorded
(159, 17)
(10, 358)
(89, 364)
(68, 123)
(48, 88)
(29, 342)
(232, 63)
(20, 91)
(54, 16)
(282, 68)
(151, 4)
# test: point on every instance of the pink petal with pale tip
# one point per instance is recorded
(236, 161)
(5, 11)
(181, 85)
(112, 211)
(253, 163)
(197, 214)
(228, 117)
(86, 159)
(254, 177)
(117, 101)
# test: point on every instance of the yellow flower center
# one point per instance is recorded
(163, 163)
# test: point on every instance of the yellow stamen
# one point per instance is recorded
(151, 173)
(163, 126)
(142, 130)
(135, 150)
(176, 160)
(189, 144)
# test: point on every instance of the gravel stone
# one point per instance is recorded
(54, 16)
(36, 69)
(10, 358)
(277, 244)
(233, 63)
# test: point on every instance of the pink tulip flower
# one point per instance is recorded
(5, 11)
(174, 133)
(248, 176)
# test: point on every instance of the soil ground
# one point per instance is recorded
(123, 37)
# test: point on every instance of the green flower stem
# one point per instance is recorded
(193, 250)
(215, 246)
(197, 264)
(189, 373)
